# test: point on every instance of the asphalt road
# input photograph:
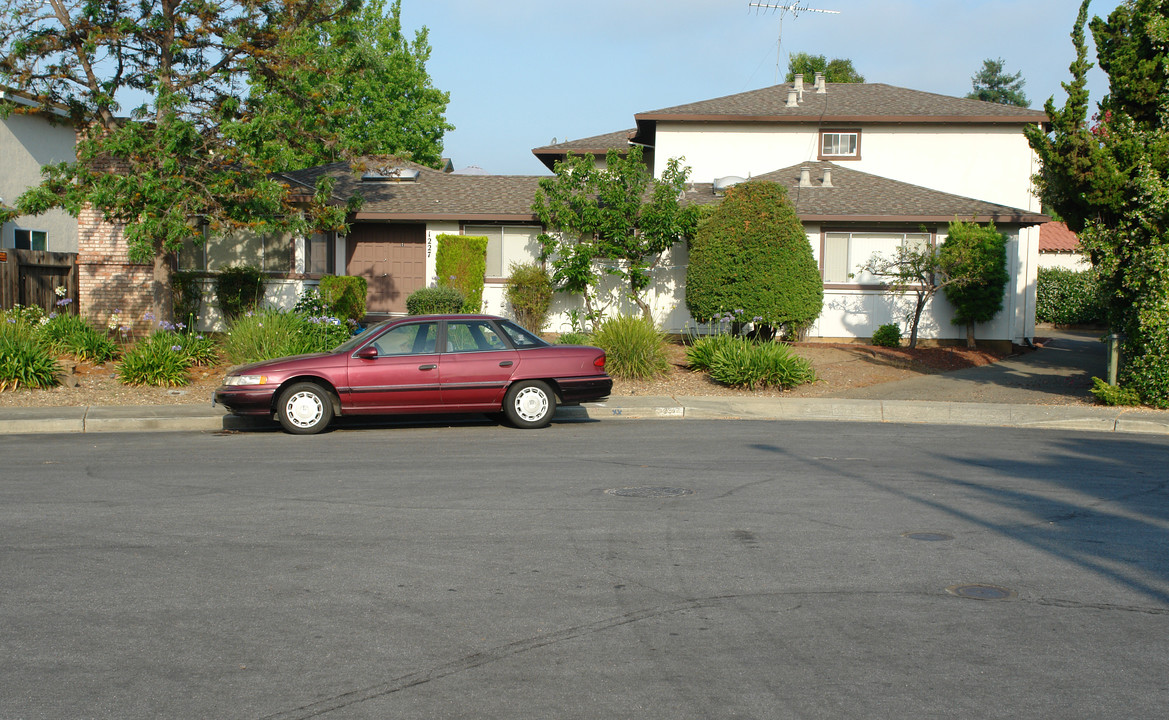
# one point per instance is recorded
(590, 570)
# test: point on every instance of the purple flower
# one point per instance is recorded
(149, 316)
(176, 348)
(757, 318)
(64, 301)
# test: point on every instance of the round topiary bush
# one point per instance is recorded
(888, 335)
(753, 255)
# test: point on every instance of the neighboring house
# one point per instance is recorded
(28, 142)
(867, 166)
(1060, 248)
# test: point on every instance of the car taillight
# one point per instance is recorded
(599, 363)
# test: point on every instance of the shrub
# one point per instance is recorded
(978, 253)
(461, 263)
(529, 291)
(323, 333)
(344, 296)
(744, 363)
(888, 335)
(239, 290)
(1069, 297)
(1113, 394)
(634, 347)
(264, 335)
(157, 360)
(203, 351)
(24, 359)
(700, 355)
(753, 254)
(435, 301)
(71, 335)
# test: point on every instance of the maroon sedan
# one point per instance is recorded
(422, 364)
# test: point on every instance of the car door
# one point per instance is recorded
(475, 366)
(402, 377)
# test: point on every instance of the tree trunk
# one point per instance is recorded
(970, 336)
(162, 287)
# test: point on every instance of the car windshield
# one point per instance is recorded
(360, 338)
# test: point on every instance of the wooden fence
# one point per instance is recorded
(31, 277)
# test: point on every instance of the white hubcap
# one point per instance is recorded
(531, 404)
(304, 409)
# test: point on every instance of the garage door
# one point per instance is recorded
(392, 259)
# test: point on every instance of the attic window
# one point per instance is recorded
(390, 174)
(840, 144)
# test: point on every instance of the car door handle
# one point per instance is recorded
(427, 367)
(506, 363)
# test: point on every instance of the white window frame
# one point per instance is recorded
(840, 266)
(852, 151)
(502, 241)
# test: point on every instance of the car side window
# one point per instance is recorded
(410, 339)
(472, 336)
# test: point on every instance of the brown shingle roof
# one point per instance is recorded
(860, 197)
(435, 195)
(846, 102)
(854, 196)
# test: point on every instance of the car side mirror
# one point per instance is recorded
(369, 352)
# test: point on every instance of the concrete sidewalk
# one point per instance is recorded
(1044, 388)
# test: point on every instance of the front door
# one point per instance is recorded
(392, 259)
(404, 377)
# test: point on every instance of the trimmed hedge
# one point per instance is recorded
(461, 263)
(435, 301)
(1069, 297)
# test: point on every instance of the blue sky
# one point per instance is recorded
(522, 72)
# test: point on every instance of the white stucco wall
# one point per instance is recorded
(990, 163)
(27, 143)
(1068, 261)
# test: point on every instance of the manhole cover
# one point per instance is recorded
(977, 591)
(650, 492)
(927, 536)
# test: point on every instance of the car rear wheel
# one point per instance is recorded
(304, 409)
(529, 404)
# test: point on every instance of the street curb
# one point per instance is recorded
(193, 418)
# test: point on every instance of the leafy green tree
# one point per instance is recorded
(613, 218)
(369, 88)
(1109, 180)
(978, 254)
(993, 84)
(752, 259)
(837, 70)
(912, 268)
(169, 168)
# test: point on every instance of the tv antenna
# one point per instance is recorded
(783, 10)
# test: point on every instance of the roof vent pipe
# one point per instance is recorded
(819, 84)
(791, 98)
(827, 178)
(800, 86)
(805, 177)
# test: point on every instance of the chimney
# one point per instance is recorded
(827, 178)
(805, 177)
(800, 86)
(792, 98)
(819, 84)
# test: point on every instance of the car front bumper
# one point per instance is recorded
(244, 399)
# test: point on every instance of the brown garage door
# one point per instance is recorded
(392, 259)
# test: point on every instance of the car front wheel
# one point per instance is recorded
(529, 404)
(304, 409)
